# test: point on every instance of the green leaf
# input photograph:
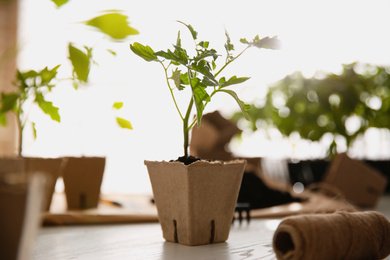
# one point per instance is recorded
(112, 52)
(184, 79)
(232, 81)
(228, 45)
(178, 40)
(81, 62)
(8, 101)
(244, 107)
(118, 105)
(200, 95)
(181, 54)
(176, 79)
(210, 81)
(214, 65)
(48, 75)
(34, 130)
(28, 75)
(3, 119)
(205, 54)
(173, 56)
(144, 52)
(203, 67)
(124, 123)
(204, 44)
(113, 24)
(193, 32)
(169, 55)
(266, 43)
(60, 3)
(47, 107)
(243, 40)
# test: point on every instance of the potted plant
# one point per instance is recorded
(83, 175)
(326, 106)
(32, 88)
(195, 199)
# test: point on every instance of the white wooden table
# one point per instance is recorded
(144, 241)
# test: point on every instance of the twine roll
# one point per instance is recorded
(342, 235)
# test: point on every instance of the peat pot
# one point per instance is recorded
(22, 197)
(83, 177)
(195, 202)
(51, 167)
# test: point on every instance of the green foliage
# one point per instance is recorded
(32, 86)
(117, 105)
(59, 3)
(123, 123)
(314, 106)
(199, 74)
(113, 24)
(81, 62)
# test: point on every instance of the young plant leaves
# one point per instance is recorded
(244, 107)
(265, 43)
(200, 73)
(59, 3)
(124, 123)
(81, 62)
(113, 24)
(199, 95)
(145, 52)
(176, 79)
(8, 101)
(117, 105)
(193, 32)
(34, 130)
(232, 81)
(3, 119)
(47, 107)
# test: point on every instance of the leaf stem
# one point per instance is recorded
(196, 118)
(186, 129)
(230, 61)
(20, 128)
(170, 89)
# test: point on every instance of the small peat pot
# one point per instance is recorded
(22, 197)
(195, 202)
(83, 177)
(51, 167)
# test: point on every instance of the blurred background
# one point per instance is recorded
(318, 37)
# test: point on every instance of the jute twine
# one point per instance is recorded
(342, 235)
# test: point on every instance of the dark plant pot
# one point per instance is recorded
(307, 171)
(21, 204)
(83, 177)
(195, 202)
(313, 171)
(51, 167)
(384, 167)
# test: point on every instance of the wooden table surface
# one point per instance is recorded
(144, 241)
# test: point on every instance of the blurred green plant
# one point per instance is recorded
(199, 74)
(313, 107)
(33, 86)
